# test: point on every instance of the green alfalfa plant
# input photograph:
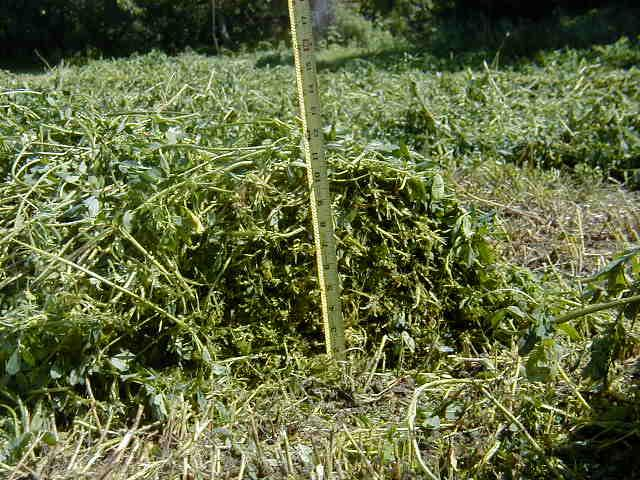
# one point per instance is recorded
(23, 429)
(615, 288)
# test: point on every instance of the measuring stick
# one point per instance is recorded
(303, 50)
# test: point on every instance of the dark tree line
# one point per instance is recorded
(494, 8)
(115, 27)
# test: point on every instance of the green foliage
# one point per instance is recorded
(154, 225)
(352, 29)
(619, 280)
(510, 29)
(406, 17)
(616, 287)
(92, 28)
(579, 113)
(19, 428)
(110, 27)
(234, 233)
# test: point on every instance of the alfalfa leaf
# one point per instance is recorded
(13, 364)
(437, 187)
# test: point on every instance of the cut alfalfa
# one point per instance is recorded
(182, 259)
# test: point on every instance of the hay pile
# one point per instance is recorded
(117, 266)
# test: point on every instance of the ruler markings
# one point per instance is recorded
(317, 169)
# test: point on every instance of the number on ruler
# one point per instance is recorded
(301, 20)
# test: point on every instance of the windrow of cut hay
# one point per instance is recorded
(122, 259)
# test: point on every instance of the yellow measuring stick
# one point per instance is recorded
(303, 50)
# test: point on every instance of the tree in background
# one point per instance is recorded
(324, 14)
(513, 27)
(114, 27)
(57, 28)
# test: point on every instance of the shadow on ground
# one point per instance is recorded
(23, 65)
(607, 446)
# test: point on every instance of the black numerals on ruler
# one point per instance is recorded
(304, 19)
(311, 89)
(307, 45)
(318, 174)
(313, 133)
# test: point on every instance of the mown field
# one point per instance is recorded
(159, 312)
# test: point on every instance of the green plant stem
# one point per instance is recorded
(595, 308)
(574, 388)
(99, 277)
(522, 428)
(411, 416)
